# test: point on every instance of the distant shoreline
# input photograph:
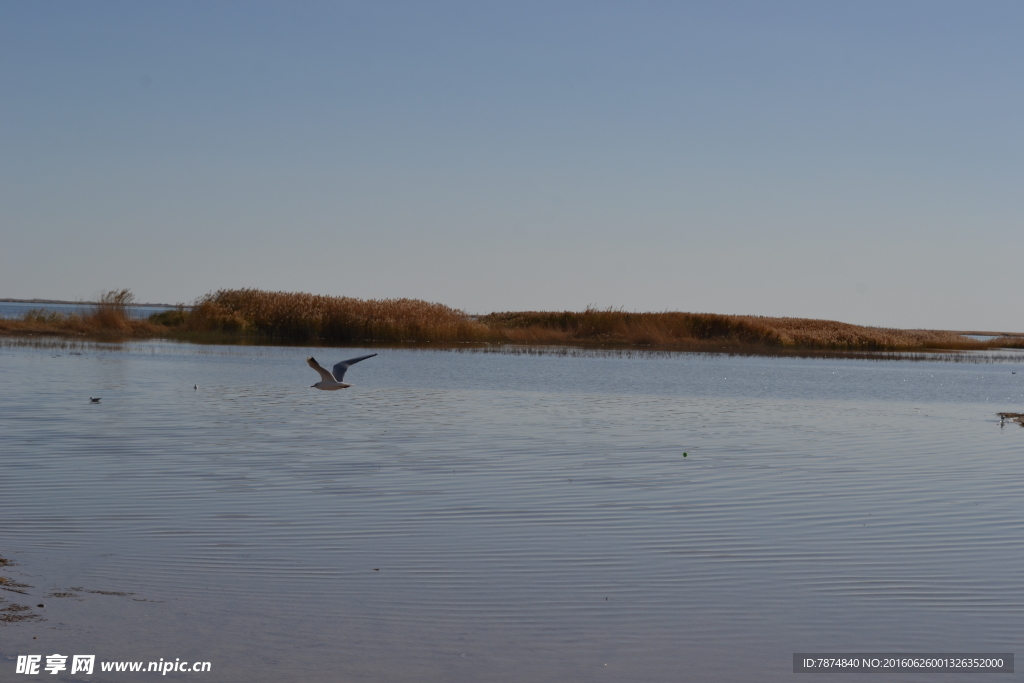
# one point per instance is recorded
(74, 303)
(989, 334)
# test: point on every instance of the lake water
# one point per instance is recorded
(467, 516)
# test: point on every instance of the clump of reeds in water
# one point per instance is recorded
(610, 326)
(303, 317)
(710, 330)
(43, 316)
(112, 311)
(108, 318)
(830, 334)
(175, 317)
(1008, 342)
(238, 315)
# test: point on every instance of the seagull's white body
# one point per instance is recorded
(332, 381)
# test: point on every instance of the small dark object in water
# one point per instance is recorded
(94, 400)
(1011, 417)
(40, 605)
(684, 454)
(376, 569)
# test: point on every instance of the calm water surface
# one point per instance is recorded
(494, 517)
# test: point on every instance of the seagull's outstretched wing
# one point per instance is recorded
(327, 377)
(340, 368)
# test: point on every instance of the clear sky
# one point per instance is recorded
(856, 161)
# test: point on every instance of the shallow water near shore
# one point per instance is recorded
(497, 517)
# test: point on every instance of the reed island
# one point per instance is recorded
(257, 316)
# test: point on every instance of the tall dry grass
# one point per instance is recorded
(111, 311)
(254, 315)
(302, 317)
(611, 326)
(703, 330)
(108, 318)
(830, 334)
(1011, 342)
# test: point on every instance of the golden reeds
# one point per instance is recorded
(110, 313)
(305, 317)
(107, 318)
(1008, 342)
(710, 330)
(286, 317)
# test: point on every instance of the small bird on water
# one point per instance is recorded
(94, 400)
(332, 381)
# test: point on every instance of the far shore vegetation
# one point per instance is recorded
(255, 316)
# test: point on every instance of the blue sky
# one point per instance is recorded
(852, 161)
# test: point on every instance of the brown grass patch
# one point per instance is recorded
(107, 319)
(252, 315)
(1008, 342)
(309, 317)
(710, 330)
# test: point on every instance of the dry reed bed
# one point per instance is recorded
(108, 319)
(1016, 342)
(304, 317)
(255, 315)
(709, 329)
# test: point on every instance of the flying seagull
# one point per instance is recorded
(330, 381)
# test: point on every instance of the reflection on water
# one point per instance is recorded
(468, 516)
